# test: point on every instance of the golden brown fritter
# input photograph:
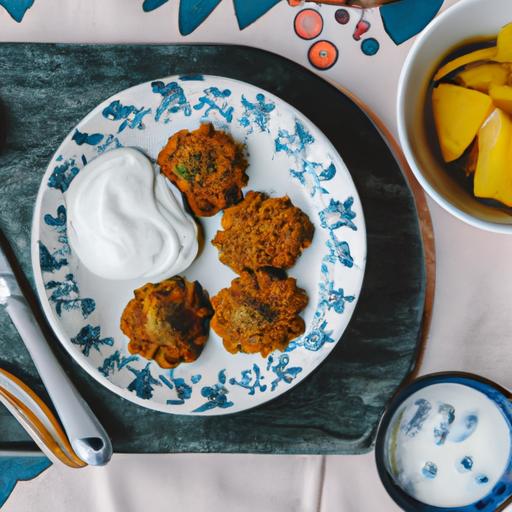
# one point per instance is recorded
(168, 321)
(208, 166)
(262, 231)
(259, 312)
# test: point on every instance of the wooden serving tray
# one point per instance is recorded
(46, 89)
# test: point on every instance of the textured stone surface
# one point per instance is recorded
(46, 89)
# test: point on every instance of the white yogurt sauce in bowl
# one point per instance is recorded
(124, 222)
(448, 445)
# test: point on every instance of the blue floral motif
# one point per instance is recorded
(63, 174)
(312, 175)
(333, 217)
(258, 112)
(216, 395)
(50, 262)
(173, 100)
(339, 252)
(333, 299)
(115, 362)
(86, 138)
(183, 390)
(250, 382)
(293, 143)
(58, 223)
(317, 337)
(89, 337)
(338, 214)
(66, 296)
(329, 298)
(131, 116)
(111, 140)
(143, 382)
(53, 261)
(283, 374)
(215, 100)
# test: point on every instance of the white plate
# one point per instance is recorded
(287, 155)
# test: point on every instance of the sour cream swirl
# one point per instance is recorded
(124, 222)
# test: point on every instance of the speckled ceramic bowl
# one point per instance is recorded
(467, 20)
(501, 492)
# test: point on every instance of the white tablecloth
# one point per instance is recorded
(471, 318)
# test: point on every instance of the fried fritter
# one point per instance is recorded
(262, 231)
(168, 321)
(259, 312)
(208, 166)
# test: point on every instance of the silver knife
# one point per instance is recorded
(86, 434)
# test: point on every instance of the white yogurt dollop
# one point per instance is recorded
(449, 444)
(124, 222)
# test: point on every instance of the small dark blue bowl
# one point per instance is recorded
(500, 495)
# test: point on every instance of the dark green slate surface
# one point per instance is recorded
(46, 89)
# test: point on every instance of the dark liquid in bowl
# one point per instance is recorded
(456, 169)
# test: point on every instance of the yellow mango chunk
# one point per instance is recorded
(483, 76)
(504, 44)
(458, 115)
(478, 55)
(493, 175)
(502, 97)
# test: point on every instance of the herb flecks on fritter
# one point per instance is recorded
(208, 167)
(259, 312)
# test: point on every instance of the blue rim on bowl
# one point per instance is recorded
(500, 494)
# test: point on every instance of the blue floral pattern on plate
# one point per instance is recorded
(217, 395)
(183, 390)
(288, 155)
(173, 100)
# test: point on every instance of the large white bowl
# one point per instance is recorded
(465, 21)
